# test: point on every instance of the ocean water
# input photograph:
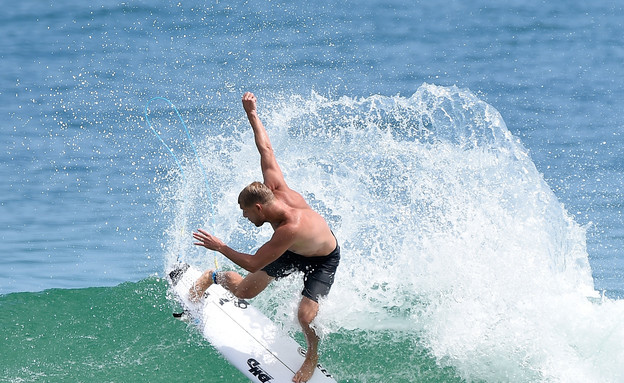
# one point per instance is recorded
(468, 157)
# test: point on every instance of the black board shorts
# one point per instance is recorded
(318, 271)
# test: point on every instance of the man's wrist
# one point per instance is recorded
(223, 249)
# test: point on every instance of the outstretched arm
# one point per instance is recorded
(278, 244)
(273, 177)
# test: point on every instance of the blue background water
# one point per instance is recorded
(77, 209)
(82, 180)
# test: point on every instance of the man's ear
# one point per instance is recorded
(258, 207)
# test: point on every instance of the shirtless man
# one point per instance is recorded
(302, 241)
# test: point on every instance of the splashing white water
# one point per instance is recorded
(448, 233)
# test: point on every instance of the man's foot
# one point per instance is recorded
(307, 369)
(200, 286)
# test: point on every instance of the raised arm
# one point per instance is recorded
(273, 177)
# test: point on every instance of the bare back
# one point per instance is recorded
(313, 236)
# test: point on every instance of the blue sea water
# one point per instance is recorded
(467, 154)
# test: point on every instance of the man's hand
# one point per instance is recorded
(249, 102)
(207, 240)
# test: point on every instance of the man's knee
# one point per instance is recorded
(244, 293)
(250, 286)
(307, 311)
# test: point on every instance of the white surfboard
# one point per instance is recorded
(249, 340)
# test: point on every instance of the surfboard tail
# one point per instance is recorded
(176, 274)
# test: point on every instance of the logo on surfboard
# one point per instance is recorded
(257, 371)
(240, 303)
(322, 369)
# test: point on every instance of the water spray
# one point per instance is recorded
(177, 161)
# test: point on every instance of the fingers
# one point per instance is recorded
(202, 237)
(205, 239)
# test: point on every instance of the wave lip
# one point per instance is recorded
(450, 234)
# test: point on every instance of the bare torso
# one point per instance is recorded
(313, 237)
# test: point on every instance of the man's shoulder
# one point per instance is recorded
(297, 223)
(291, 198)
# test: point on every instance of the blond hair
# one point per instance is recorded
(254, 193)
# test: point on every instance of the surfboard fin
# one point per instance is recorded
(183, 316)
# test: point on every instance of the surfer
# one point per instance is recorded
(301, 241)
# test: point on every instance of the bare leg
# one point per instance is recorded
(244, 288)
(200, 286)
(307, 312)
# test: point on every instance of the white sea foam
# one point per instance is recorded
(448, 233)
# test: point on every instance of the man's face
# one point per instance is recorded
(253, 214)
